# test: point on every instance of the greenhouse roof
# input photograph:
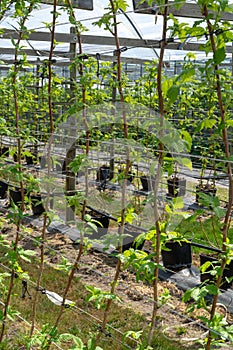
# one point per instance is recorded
(140, 35)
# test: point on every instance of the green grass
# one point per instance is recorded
(80, 323)
(205, 230)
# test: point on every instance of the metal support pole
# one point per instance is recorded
(111, 164)
(71, 153)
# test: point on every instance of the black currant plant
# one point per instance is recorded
(218, 33)
(23, 10)
(203, 91)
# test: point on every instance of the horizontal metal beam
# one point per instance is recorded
(34, 53)
(186, 10)
(79, 4)
(39, 36)
(106, 41)
(86, 39)
(61, 54)
(32, 62)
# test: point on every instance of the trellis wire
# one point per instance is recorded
(58, 252)
(86, 314)
(29, 324)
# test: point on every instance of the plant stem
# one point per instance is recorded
(70, 278)
(17, 130)
(7, 302)
(123, 198)
(41, 269)
(43, 232)
(75, 265)
(227, 218)
(158, 177)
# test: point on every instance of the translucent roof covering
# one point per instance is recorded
(131, 25)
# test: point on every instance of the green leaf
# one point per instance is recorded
(229, 122)
(133, 334)
(188, 138)
(178, 203)
(187, 295)
(186, 74)
(12, 313)
(212, 289)
(78, 162)
(26, 254)
(207, 124)
(220, 212)
(219, 55)
(166, 85)
(173, 93)
(185, 162)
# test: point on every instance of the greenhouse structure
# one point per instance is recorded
(116, 161)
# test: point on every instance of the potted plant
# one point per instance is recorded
(176, 185)
(4, 151)
(14, 153)
(35, 196)
(102, 176)
(176, 252)
(100, 221)
(209, 267)
(207, 188)
(206, 183)
(36, 204)
(16, 195)
(175, 248)
(148, 183)
(210, 262)
(3, 189)
(29, 157)
(129, 238)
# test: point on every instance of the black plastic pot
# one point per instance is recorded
(102, 176)
(103, 173)
(102, 223)
(207, 277)
(206, 190)
(130, 177)
(148, 183)
(42, 161)
(29, 160)
(15, 157)
(16, 196)
(129, 240)
(3, 189)
(178, 257)
(176, 187)
(5, 151)
(61, 166)
(36, 204)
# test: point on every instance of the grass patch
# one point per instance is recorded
(205, 230)
(82, 321)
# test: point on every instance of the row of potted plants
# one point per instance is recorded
(177, 255)
(15, 195)
(176, 251)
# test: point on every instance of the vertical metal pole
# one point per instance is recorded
(231, 129)
(111, 164)
(38, 102)
(70, 154)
